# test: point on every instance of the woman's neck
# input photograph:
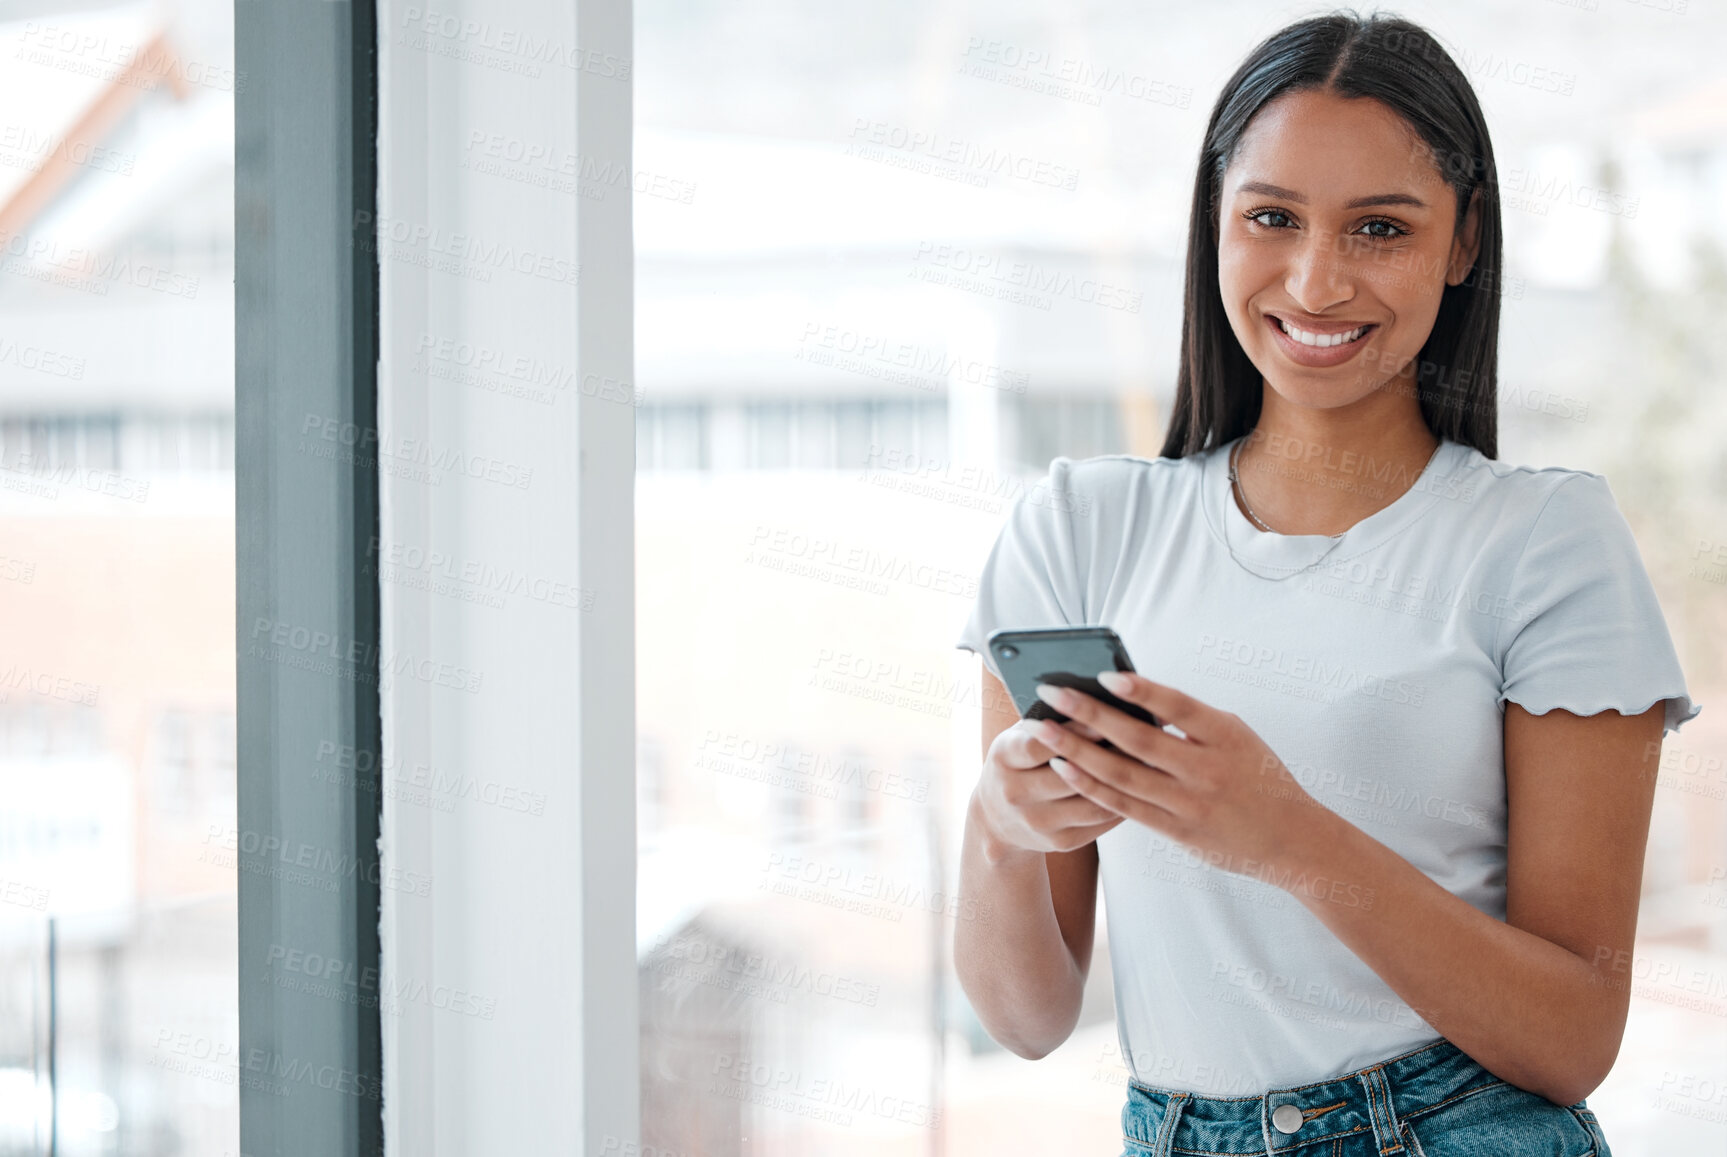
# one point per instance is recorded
(1310, 471)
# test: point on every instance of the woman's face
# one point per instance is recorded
(1334, 219)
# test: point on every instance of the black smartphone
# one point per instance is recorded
(1064, 657)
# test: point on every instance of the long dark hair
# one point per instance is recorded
(1218, 390)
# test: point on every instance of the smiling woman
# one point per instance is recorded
(1343, 604)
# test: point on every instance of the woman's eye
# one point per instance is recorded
(1378, 229)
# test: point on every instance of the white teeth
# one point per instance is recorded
(1320, 339)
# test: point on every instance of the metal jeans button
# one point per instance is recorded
(1287, 1118)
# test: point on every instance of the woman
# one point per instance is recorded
(1376, 893)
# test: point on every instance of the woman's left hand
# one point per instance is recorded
(1220, 789)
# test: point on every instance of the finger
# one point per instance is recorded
(1073, 811)
(1084, 729)
(1116, 800)
(1153, 785)
(1025, 787)
(1150, 784)
(1021, 747)
(1074, 838)
(1025, 745)
(1142, 741)
(1128, 776)
(1198, 721)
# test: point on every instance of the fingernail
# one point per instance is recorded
(1115, 681)
(1042, 728)
(1052, 694)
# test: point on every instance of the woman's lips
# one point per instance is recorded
(1316, 356)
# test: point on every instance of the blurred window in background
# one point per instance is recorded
(117, 579)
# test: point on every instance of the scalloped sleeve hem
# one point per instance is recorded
(1588, 634)
(1680, 709)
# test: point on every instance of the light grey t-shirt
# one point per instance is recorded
(1378, 674)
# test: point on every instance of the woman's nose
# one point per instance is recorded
(1321, 272)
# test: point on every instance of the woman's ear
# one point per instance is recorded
(1466, 245)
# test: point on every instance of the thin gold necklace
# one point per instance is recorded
(1235, 481)
(1235, 486)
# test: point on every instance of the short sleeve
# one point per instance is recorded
(1582, 629)
(1031, 577)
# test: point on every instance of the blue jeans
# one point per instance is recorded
(1431, 1102)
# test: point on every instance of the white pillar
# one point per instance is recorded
(506, 414)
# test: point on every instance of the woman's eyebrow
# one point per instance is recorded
(1279, 191)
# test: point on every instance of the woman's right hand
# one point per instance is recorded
(1023, 805)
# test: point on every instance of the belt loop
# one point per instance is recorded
(1387, 1130)
(1165, 1139)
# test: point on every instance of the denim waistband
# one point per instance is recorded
(1372, 1100)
